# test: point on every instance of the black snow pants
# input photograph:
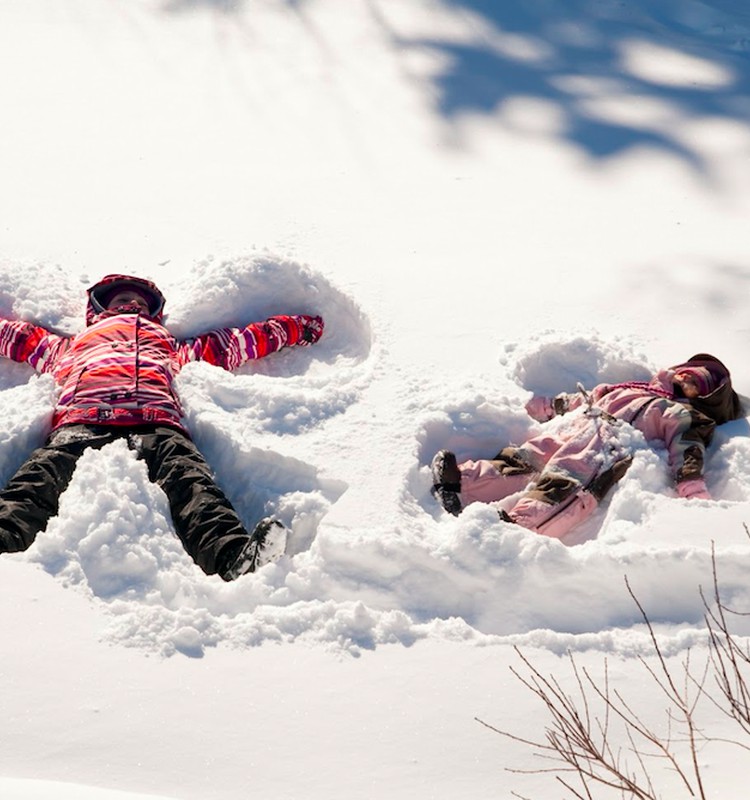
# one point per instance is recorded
(204, 520)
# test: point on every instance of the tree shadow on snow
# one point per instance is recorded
(693, 60)
(598, 69)
(225, 6)
(709, 291)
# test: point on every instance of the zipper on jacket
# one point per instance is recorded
(137, 353)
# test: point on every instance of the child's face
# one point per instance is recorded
(688, 385)
(127, 297)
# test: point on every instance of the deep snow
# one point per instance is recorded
(483, 201)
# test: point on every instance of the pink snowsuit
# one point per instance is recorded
(564, 474)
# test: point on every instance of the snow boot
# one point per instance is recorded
(265, 544)
(446, 480)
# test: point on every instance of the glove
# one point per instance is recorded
(693, 489)
(311, 329)
(540, 408)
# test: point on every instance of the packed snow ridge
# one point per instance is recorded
(268, 431)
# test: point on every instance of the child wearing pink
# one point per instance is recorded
(564, 474)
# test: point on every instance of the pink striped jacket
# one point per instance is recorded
(120, 370)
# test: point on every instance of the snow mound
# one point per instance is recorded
(423, 575)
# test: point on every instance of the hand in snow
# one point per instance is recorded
(694, 489)
(540, 408)
(312, 329)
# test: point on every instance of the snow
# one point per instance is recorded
(483, 200)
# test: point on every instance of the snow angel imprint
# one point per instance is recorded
(564, 474)
(116, 382)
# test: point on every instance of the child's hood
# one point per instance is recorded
(98, 294)
(722, 404)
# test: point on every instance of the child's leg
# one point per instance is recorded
(554, 506)
(486, 481)
(32, 495)
(575, 480)
(204, 520)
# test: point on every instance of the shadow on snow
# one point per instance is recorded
(572, 56)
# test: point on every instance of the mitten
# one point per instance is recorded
(693, 489)
(311, 329)
(540, 408)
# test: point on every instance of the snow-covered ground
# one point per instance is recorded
(484, 200)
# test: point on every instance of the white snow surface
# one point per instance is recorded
(484, 201)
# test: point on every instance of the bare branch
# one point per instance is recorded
(728, 657)
(580, 737)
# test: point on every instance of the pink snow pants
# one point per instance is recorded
(551, 471)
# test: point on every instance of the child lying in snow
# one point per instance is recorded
(565, 474)
(116, 381)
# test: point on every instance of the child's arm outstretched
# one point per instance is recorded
(687, 434)
(231, 347)
(32, 344)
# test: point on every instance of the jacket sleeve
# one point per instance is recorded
(686, 433)
(231, 347)
(24, 342)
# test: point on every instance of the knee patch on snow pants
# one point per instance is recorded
(553, 488)
(557, 519)
(557, 502)
(512, 461)
(554, 505)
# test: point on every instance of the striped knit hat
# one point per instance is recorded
(701, 377)
(722, 403)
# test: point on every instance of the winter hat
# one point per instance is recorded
(721, 404)
(101, 293)
(701, 377)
